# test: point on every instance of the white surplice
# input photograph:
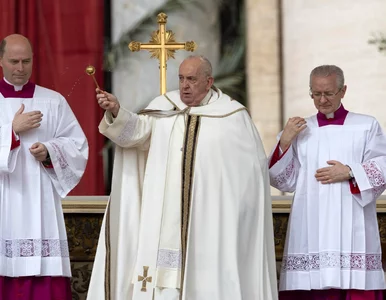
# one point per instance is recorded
(230, 253)
(332, 237)
(32, 230)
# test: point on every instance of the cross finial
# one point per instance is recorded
(162, 46)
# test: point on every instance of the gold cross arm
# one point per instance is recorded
(162, 46)
(144, 278)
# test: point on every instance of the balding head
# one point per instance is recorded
(13, 38)
(196, 79)
(16, 58)
(205, 67)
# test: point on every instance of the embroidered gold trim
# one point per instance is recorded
(222, 116)
(215, 89)
(108, 254)
(170, 100)
(190, 144)
(147, 111)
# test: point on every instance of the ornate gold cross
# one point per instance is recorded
(144, 278)
(162, 46)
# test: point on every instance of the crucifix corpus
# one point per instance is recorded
(162, 46)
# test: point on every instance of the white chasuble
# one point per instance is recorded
(32, 230)
(333, 237)
(189, 215)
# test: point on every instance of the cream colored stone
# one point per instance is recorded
(263, 68)
(334, 32)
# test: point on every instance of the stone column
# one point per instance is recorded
(263, 68)
(263, 63)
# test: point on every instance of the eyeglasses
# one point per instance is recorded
(327, 95)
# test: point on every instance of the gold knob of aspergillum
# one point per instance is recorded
(90, 70)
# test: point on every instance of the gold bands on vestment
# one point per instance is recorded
(108, 254)
(188, 159)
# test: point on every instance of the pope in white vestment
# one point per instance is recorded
(189, 215)
(335, 162)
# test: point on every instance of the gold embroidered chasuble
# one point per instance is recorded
(177, 209)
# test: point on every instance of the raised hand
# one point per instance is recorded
(26, 121)
(293, 127)
(39, 151)
(338, 172)
(108, 102)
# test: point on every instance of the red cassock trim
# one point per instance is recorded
(331, 294)
(15, 143)
(35, 287)
(354, 187)
(50, 166)
(276, 155)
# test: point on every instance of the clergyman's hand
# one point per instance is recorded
(25, 121)
(338, 172)
(108, 102)
(293, 127)
(39, 151)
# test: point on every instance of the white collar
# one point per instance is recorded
(16, 87)
(331, 115)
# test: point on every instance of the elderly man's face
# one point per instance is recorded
(194, 84)
(326, 93)
(17, 61)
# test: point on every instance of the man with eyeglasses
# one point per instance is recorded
(336, 162)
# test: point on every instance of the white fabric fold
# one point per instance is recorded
(331, 236)
(33, 239)
(230, 253)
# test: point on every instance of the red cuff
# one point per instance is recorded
(50, 166)
(15, 143)
(354, 187)
(276, 155)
